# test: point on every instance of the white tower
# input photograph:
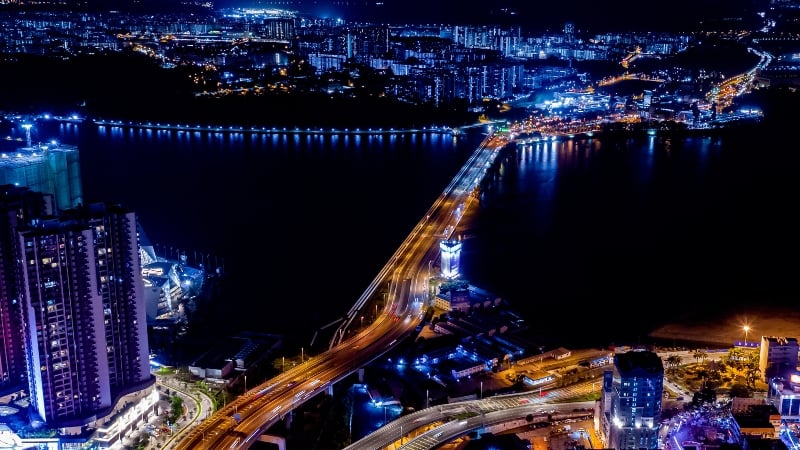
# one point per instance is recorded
(451, 254)
(27, 127)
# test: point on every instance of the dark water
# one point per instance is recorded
(594, 240)
(601, 241)
(301, 223)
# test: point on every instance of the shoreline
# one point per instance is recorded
(728, 329)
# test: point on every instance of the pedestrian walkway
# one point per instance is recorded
(197, 406)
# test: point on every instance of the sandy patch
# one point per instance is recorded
(727, 329)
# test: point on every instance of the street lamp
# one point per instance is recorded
(746, 329)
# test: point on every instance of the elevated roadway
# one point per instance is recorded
(431, 427)
(239, 424)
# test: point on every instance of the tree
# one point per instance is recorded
(700, 355)
(736, 356)
(176, 409)
(751, 375)
(673, 361)
(740, 390)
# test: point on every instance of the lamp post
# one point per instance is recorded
(245, 383)
(746, 329)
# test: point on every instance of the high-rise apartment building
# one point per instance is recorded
(83, 313)
(17, 206)
(631, 401)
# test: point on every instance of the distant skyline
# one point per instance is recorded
(599, 16)
(592, 16)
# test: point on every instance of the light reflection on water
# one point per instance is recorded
(292, 203)
(612, 224)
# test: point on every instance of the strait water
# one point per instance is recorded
(594, 240)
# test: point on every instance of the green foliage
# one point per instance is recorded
(740, 390)
(176, 409)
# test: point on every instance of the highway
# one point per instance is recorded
(239, 424)
(437, 425)
(432, 427)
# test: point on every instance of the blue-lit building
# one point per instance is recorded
(48, 168)
(784, 394)
(630, 402)
(450, 258)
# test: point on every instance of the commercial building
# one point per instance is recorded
(450, 258)
(784, 394)
(630, 404)
(777, 356)
(754, 419)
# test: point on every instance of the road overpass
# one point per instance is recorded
(239, 424)
(431, 427)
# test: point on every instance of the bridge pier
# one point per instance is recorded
(277, 440)
(361, 375)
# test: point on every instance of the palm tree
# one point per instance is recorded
(673, 361)
(700, 355)
(751, 375)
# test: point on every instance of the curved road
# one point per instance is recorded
(437, 425)
(241, 422)
(432, 427)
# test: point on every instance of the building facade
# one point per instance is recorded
(777, 356)
(450, 258)
(17, 205)
(631, 401)
(83, 313)
(48, 168)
